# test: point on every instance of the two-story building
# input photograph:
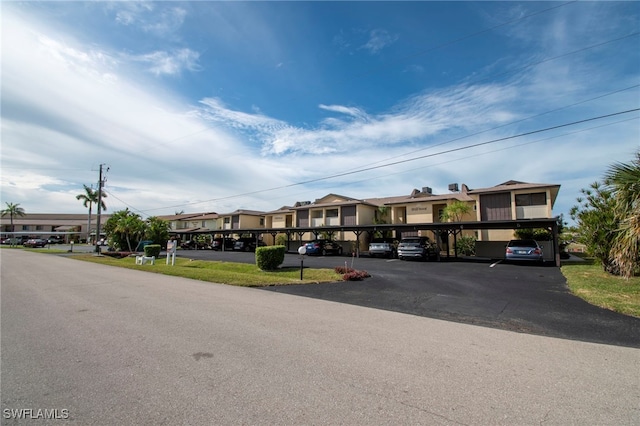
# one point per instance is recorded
(323, 218)
(185, 226)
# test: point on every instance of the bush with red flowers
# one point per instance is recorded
(350, 274)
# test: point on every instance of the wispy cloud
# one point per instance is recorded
(149, 17)
(378, 40)
(169, 63)
(69, 105)
(416, 119)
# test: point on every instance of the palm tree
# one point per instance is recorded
(624, 180)
(89, 198)
(131, 226)
(455, 211)
(13, 210)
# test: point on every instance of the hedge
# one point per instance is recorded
(152, 250)
(270, 257)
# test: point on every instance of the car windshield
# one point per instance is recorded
(523, 243)
(411, 241)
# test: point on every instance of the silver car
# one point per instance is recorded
(382, 247)
(528, 250)
(417, 248)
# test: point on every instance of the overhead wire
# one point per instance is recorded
(333, 176)
(351, 171)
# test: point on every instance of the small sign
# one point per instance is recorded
(171, 246)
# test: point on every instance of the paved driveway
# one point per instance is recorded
(524, 298)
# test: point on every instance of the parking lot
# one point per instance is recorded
(518, 297)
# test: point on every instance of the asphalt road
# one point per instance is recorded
(516, 297)
(116, 346)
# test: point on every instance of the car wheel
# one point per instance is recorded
(324, 252)
(340, 251)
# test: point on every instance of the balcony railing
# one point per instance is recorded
(531, 212)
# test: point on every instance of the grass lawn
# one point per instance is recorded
(590, 282)
(240, 274)
(37, 250)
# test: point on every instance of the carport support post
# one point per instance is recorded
(556, 244)
(358, 233)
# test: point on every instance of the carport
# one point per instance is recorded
(451, 228)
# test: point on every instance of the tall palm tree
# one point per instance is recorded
(89, 198)
(12, 210)
(624, 179)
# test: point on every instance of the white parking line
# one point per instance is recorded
(495, 263)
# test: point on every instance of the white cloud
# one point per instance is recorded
(150, 17)
(69, 106)
(169, 63)
(378, 40)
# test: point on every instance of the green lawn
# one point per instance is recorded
(47, 249)
(589, 281)
(240, 274)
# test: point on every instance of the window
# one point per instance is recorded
(534, 199)
(25, 227)
(261, 221)
(332, 213)
(227, 220)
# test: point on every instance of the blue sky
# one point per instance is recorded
(214, 106)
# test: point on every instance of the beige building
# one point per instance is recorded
(334, 210)
(507, 201)
(192, 222)
(71, 227)
(242, 219)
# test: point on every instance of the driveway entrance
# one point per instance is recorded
(523, 298)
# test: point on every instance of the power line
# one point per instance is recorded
(546, 129)
(508, 124)
(509, 147)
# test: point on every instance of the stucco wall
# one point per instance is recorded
(419, 213)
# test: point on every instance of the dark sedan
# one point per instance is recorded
(35, 242)
(323, 247)
(220, 244)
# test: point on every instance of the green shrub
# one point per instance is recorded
(152, 250)
(270, 257)
(466, 245)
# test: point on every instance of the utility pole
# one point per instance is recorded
(100, 184)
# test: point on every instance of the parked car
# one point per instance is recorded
(248, 244)
(193, 245)
(55, 239)
(417, 248)
(385, 247)
(229, 243)
(527, 250)
(323, 247)
(35, 242)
